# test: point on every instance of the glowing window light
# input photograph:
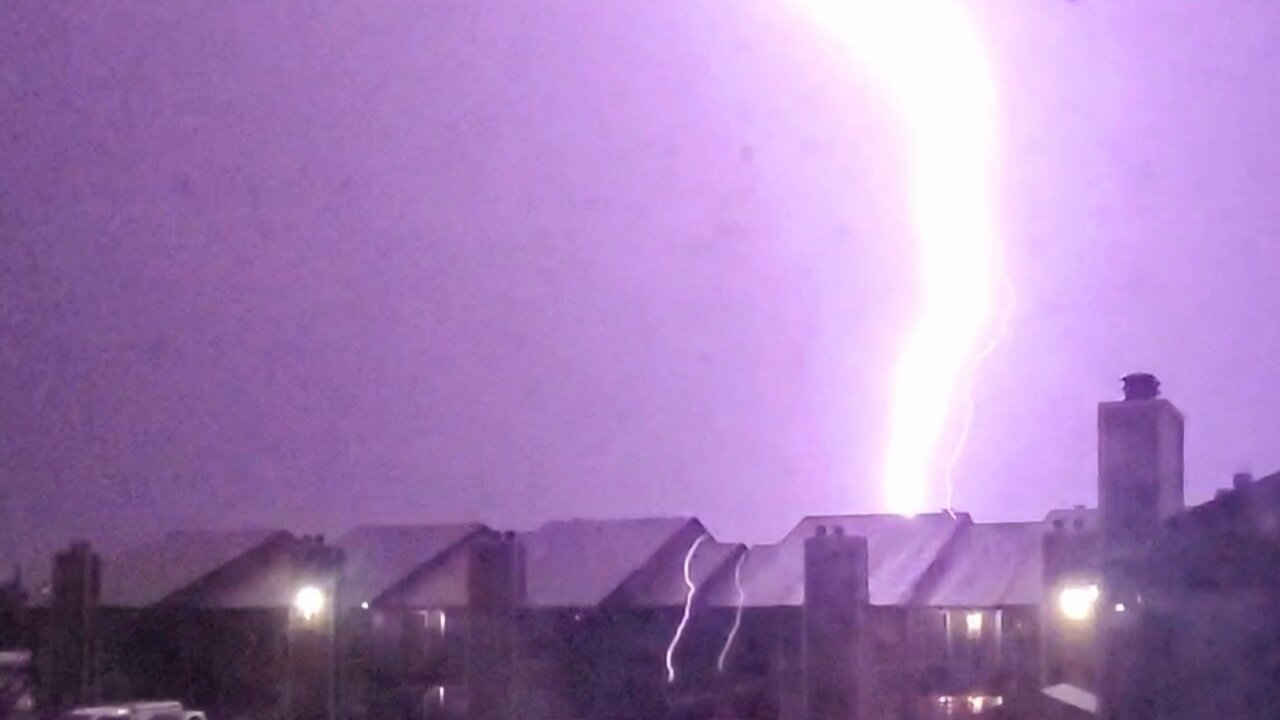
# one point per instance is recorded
(973, 624)
(980, 703)
(1076, 602)
(1120, 607)
(434, 619)
(309, 602)
(930, 57)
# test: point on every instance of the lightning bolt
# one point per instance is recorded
(930, 58)
(737, 615)
(970, 403)
(690, 591)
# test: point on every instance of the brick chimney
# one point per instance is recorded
(1140, 476)
(835, 643)
(77, 588)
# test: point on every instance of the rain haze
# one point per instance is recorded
(308, 265)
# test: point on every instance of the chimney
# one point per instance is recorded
(1140, 476)
(77, 589)
(1140, 386)
(835, 643)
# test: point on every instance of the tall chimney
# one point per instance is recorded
(835, 641)
(1140, 476)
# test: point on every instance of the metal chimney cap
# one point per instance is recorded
(1141, 386)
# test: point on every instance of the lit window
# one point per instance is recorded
(981, 703)
(1076, 602)
(434, 620)
(973, 624)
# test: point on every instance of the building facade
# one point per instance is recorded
(847, 617)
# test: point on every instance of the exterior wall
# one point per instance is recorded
(895, 671)
(1200, 636)
(1072, 557)
(598, 664)
(1140, 474)
(945, 659)
(1020, 654)
(1196, 656)
(230, 663)
(602, 664)
(395, 664)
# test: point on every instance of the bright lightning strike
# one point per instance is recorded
(930, 57)
(690, 591)
(970, 403)
(737, 615)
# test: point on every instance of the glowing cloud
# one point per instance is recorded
(690, 591)
(930, 58)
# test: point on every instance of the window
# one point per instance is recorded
(973, 624)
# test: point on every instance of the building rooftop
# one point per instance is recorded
(150, 573)
(377, 558)
(710, 565)
(939, 560)
(900, 550)
(582, 563)
(988, 565)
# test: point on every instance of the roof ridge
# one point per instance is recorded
(420, 570)
(415, 526)
(643, 518)
(193, 586)
(654, 559)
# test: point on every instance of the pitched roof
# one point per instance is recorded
(900, 550)
(149, 573)
(989, 565)
(580, 563)
(665, 586)
(379, 557)
(441, 584)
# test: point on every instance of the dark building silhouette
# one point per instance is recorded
(1104, 611)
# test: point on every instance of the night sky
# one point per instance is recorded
(311, 264)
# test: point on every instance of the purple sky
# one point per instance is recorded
(309, 264)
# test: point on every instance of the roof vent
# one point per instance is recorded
(1141, 386)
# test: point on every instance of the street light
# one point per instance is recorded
(1076, 602)
(309, 602)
